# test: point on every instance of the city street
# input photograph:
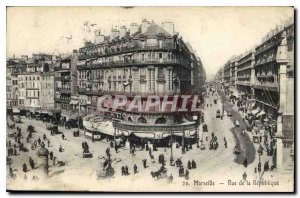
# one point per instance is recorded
(210, 163)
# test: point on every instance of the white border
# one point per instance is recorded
(4, 3)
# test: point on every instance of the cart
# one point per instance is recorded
(87, 155)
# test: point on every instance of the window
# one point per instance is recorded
(143, 57)
(160, 55)
(160, 71)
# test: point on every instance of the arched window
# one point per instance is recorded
(142, 120)
(161, 121)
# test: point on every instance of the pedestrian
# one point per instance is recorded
(170, 179)
(21, 147)
(244, 176)
(187, 175)
(24, 168)
(123, 170)
(107, 152)
(54, 160)
(15, 152)
(189, 165)
(126, 170)
(145, 163)
(194, 164)
(245, 162)
(39, 141)
(44, 137)
(31, 163)
(51, 155)
(60, 148)
(35, 143)
(25, 177)
(134, 168)
(48, 143)
(63, 136)
(116, 148)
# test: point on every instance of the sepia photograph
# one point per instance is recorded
(150, 99)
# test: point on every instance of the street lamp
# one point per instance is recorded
(171, 156)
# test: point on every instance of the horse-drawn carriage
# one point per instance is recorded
(161, 173)
(54, 130)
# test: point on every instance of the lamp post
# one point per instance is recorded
(171, 156)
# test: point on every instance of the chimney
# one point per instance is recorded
(122, 31)
(133, 28)
(169, 27)
(99, 38)
(145, 25)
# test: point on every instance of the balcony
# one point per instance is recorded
(63, 89)
(143, 79)
(269, 86)
(131, 94)
(63, 78)
(62, 100)
(245, 83)
(136, 62)
(155, 128)
(127, 49)
(267, 46)
(265, 60)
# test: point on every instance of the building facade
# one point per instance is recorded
(47, 90)
(265, 75)
(146, 60)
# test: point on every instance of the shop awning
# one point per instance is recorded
(37, 111)
(74, 102)
(144, 135)
(16, 110)
(106, 128)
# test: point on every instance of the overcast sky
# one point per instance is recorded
(215, 33)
